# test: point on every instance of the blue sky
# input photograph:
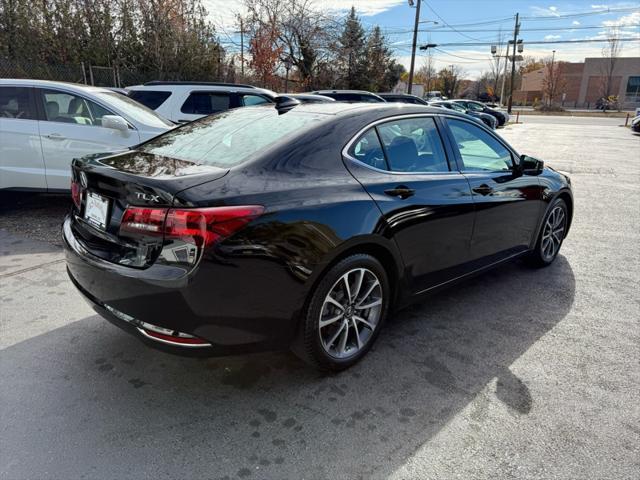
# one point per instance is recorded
(476, 21)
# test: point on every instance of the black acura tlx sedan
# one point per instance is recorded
(303, 227)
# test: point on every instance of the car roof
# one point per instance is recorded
(28, 82)
(310, 96)
(361, 92)
(206, 86)
(375, 109)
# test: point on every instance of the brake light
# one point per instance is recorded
(201, 227)
(143, 221)
(76, 193)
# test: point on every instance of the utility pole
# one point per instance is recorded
(413, 47)
(516, 30)
(504, 74)
(552, 78)
(242, 48)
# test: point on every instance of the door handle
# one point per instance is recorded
(483, 189)
(54, 136)
(400, 191)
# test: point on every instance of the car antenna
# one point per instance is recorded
(284, 103)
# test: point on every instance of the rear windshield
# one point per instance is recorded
(231, 137)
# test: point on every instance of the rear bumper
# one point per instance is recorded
(236, 305)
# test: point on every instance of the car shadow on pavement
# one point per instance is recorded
(89, 400)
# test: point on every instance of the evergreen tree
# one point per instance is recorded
(353, 53)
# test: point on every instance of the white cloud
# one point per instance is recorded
(631, 20)
(552, 37)
(364, 8)
(223, 13)
(553, 9)
(599, 7)
(546, 11)
(575, 22)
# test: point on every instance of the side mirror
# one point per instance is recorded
(115, 122)
(531, 165)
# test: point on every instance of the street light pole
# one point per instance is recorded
(413, 46)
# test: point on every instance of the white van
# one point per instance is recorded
(45, 125)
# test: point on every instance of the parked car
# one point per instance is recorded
(257, 229)
(472, 105)
(435, 95)
(403, 98)
(350, 95)
(309, 97)
(44, 125)
(635, 124)
(488, 120)
(187, 101)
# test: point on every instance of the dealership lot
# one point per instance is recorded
(519, 373)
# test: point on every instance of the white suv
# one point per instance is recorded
(45, 125)
(187, 101)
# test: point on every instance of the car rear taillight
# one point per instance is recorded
(76, 193)
(201, 227)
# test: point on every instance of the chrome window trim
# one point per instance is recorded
(345, 150)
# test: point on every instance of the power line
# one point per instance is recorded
(445, 22)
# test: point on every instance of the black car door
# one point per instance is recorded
(508, 202)
(426, 204)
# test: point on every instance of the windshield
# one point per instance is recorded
(229, 138)
(475, 107)
(134, 110)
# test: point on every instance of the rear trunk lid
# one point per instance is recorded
(105, 185)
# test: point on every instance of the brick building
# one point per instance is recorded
(581, 84)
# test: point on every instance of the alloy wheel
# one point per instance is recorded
(553, 233)
(350, 313)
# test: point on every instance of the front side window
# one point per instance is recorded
(248, 100)
(479, 150)
(369, 150)
(15, 103)
(206, 103)
(413, 145)
(69, 108)
(232, 137)
(149, 98)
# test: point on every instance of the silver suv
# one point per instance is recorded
(187, 101)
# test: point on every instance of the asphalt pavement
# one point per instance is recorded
(519, 373)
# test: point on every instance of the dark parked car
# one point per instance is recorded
(474, 106)
(256, 229)
(489, 120)
(403, 98)
(351, 96)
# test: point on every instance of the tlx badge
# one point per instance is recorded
(148, 197)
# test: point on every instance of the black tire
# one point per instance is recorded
(539, 256)
(309, 345)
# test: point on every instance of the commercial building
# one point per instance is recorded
(582, 84)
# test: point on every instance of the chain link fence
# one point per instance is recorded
(82, 73)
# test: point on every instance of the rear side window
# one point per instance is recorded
(149, 98)
(369, 150)
(413, 145)
(15, 102)
(206, 103)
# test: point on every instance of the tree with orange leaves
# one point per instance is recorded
(265, 54)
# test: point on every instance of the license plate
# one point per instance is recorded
(96, 210)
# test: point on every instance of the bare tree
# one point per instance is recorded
(553, 81)
(610, 52)
(498, 63)
(427, 72)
